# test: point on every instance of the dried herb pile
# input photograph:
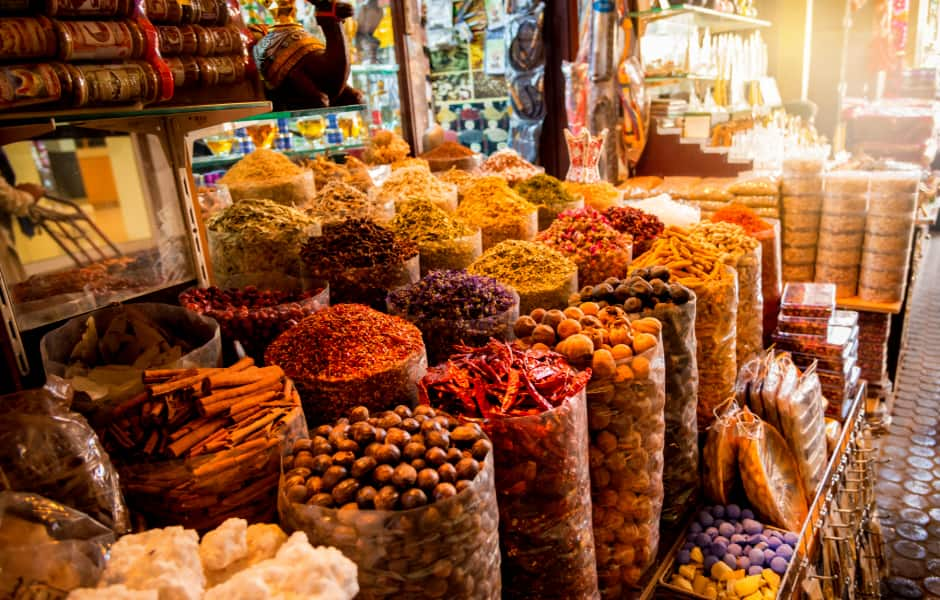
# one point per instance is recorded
(524, 266)
(356, 243)
(338, 201)
(489, 201)
(448, 151)
(423, 222)
(544, 190)
(456, 295)
(644, 227)
(586, 237)
(416, 182)
(260, 166)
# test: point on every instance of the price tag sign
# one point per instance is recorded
(697, 126)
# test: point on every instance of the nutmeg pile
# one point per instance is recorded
(400, 459)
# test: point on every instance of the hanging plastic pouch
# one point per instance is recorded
(720, 455)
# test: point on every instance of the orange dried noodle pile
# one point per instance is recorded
(743, 216)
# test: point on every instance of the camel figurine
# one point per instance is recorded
(299, 70)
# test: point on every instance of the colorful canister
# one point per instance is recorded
(27, 37)
(99, 40)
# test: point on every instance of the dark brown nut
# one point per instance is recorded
(465, 435)
(303, 444)
(380, 435)
(314, 485)
(297, 493)
(363, 466)
(305, 460)
(417, 438)
(481, 448)
(454, 455)
(443, 491)
(447, 422)
(382, 475)
(321, 445)
(348, 446)
(362, 433)
(439, 439)
(424, 410)
(413, 450)
(467, 468)
(413, 498)
(403, 411)
(428, 479)
(321, 499)
(344, 458)
(345, 491)
(349, 507)
(388, 454)
(405, 476)
(419, 463)
(389, 420)
(430, 425)
(287, 462)
(321, 463)
(411, 425)
(365, 497)
(463, 484)
(292, 481)
(323, 430)
(371, 449)
(301, 472)
(447, 472)
(398, 437)
(338, 434)
(386, 498)
(333, 475)
(360, 413)
(436, 456)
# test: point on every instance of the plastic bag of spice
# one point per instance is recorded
(102, 355)
(770, 474)
(428, 533)
(254, 316)
(720, 455)
(543, 487)
(626, 455)
(470, 315)
(500, 213)
(255, 236)
(350, 354)
(716, 334)
(48, 549)
(531, 403)
(48, 450)
(271, 175)
(673, 305)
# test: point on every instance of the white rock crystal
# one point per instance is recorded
(234, 546)
(165, 560)
(298, 571)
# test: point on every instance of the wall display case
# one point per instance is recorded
(119, 224)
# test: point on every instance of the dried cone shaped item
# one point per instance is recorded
(720, 455)
(771, 477)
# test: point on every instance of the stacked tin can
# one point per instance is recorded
(201, 41)
(801, 206)
(76, 53)
(842, 230)
(889, 234)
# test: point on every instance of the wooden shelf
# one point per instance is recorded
(856, 303)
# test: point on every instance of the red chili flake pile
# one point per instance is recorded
(501, 380)
(587, 237)
(644, 227)
(344, 342)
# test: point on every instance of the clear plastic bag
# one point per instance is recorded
(750, 312)
(442, 336)
(543, 486)
(770, 273)
(770, 474)
(48, 549)
(802, 421)
(203, 491)
(627, 433)
(48, 450)
(94, 396)
(719, 456)
(448, 549)
(680, 452)
(716, 338)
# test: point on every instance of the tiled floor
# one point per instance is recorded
(908, 488)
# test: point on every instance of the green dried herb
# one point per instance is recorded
(525, 266)
(544, 190)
